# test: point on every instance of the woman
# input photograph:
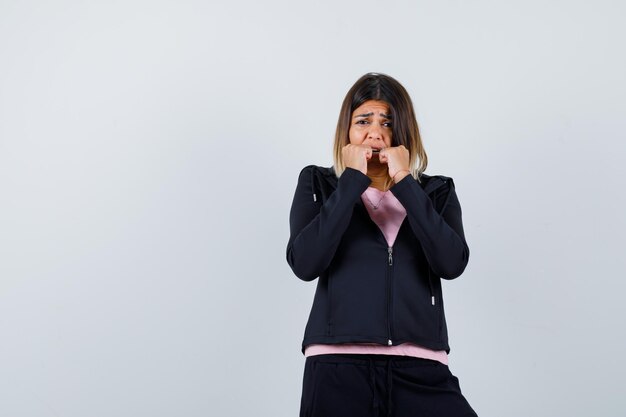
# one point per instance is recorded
(380, 235)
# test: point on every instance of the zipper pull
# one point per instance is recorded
(314, 197)
(390, 251)
(432, 299)
(389, 343)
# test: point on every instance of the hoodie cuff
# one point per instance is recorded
(402, 185)
(353, 179)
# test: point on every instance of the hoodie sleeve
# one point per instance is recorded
(315, 228)
(441, 235)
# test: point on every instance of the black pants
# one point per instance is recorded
(353, 385)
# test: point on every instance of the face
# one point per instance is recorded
(370, 125)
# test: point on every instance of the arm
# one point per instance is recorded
(316, 229)
(441, 235)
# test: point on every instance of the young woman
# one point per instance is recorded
(380, 235)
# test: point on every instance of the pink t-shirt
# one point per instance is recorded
(388, 216)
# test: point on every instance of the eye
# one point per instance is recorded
(387, 124)
(361, 122)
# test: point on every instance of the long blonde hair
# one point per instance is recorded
(405, 131)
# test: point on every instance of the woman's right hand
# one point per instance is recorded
(356, 156)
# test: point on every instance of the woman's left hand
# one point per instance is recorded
(397, 159)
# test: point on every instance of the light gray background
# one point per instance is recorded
(149, 151)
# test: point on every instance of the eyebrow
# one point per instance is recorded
(386, 116)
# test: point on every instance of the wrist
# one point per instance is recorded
(400, 175)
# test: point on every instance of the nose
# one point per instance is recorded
(374, 132)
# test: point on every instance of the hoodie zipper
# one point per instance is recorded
(389, 276)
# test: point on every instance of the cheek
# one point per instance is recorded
(354, 136)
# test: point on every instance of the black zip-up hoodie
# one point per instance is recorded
(367, 291)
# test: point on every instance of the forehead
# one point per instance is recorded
(375, 106)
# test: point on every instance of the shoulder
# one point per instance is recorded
(431, 183)
(437, 177)
(317, 169)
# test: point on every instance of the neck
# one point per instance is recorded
(378, 173)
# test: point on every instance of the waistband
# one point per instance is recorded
(396, 361)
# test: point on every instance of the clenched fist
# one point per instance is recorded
(396, 158)
(356, 156)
